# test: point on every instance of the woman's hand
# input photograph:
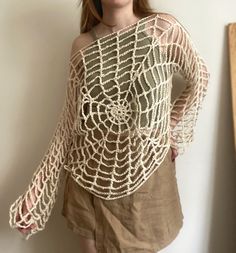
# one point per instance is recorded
(174, 154)
(24, 211)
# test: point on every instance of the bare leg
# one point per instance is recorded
(86, 245)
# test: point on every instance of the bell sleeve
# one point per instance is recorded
(185, 108)
(43, 188)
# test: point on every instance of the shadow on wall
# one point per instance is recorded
(35, 36)
(224, 201)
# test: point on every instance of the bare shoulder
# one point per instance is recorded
(168, 16)
(166, 19)
(80, 41)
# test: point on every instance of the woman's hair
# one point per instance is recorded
(92, 12)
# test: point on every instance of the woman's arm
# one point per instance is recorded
(34, 206)
(185, 108)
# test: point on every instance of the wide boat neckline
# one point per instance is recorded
(119, 31)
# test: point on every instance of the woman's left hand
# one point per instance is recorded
(174, 154)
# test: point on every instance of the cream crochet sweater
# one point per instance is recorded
(118, 121)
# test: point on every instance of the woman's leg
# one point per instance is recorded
(87, 245)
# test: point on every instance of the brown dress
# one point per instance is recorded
(145, 221)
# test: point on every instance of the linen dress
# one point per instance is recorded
(146, 221)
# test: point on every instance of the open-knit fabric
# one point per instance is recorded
(118, 121)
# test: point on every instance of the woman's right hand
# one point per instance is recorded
(24, 211)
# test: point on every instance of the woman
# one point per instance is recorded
(119, 133)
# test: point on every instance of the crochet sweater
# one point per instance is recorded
(118, 121)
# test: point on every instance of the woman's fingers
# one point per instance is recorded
(26, 230)
(24, 211)
(33, 226)
(174, 154)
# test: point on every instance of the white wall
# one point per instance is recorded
(35, 44)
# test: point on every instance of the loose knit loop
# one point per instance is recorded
(118, 121)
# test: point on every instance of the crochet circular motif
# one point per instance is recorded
(119, 111)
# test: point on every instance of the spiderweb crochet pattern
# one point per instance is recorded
(118, 121)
